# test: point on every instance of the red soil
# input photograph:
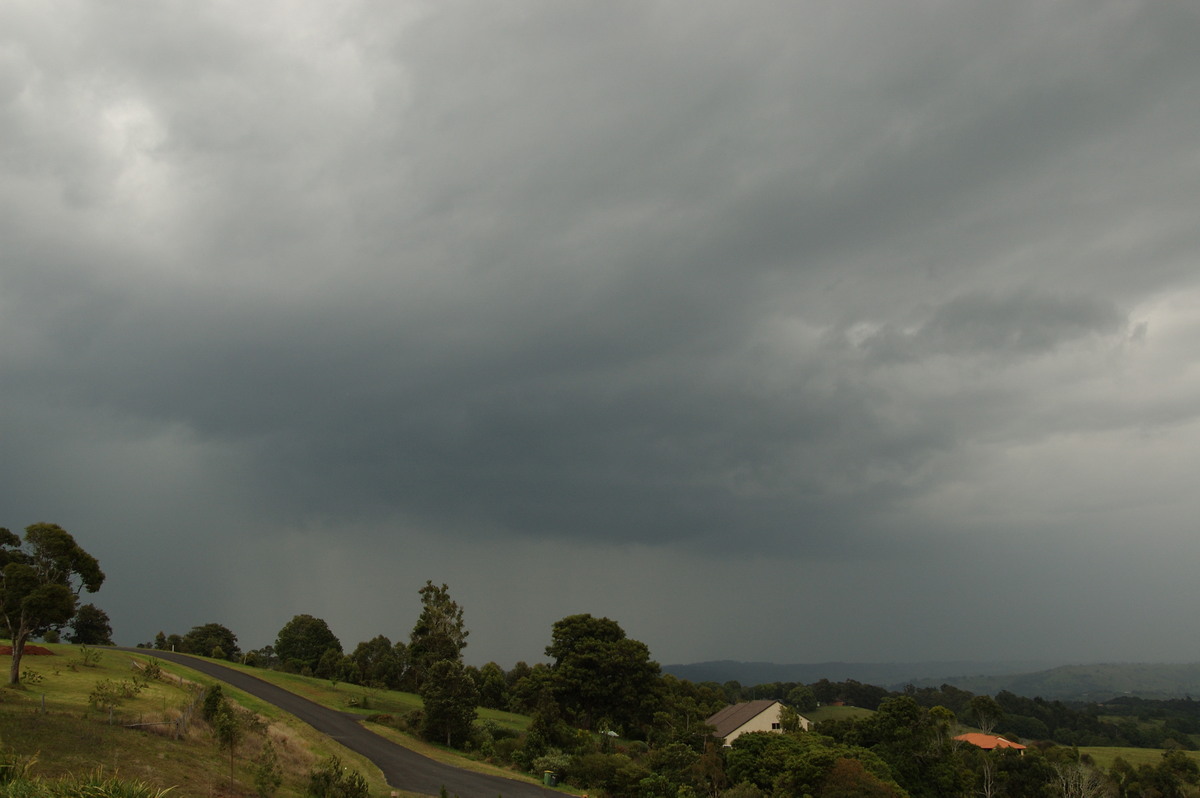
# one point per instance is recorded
(30, 650)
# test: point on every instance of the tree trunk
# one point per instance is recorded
(18, 646)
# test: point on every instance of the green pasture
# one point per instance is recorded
(830, 712)
(1104, 756)
(50, 721)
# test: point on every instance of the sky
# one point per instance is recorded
(775, 331)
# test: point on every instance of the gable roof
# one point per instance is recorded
(987, 741)
(735, 716)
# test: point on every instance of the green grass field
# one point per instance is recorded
(837, 713)
(1104, 756)
(49, 719)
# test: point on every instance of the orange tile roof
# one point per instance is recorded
(988, 741)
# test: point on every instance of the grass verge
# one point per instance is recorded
(52, 719)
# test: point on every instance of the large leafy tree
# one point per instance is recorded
(303, 640)
(209, 640)
(91, 627)
(40, 582)
(378, 663)
(439, 633)
(600, 676)
(450, 699)
(917, 744)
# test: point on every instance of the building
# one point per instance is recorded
(749, 716)
(988, 742)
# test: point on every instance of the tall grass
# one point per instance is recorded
(96, 784)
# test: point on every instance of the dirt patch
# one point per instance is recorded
(34, 651)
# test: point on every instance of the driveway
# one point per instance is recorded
(403, 769)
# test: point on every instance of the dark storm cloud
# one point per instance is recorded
(1018, 324)
(408, 283)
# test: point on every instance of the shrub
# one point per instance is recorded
(331, 780)
(505, 748)
(553, 760)
(15, 767)
(151, 671)
(593, 770)
(88, 657)
(213, 698)
(107, 694)
(267, 773)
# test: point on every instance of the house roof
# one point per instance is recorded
(735, 716)
(988, 741)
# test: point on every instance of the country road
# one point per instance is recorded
(403, 769)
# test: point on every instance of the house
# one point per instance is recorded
(988, 742)
(749, 716)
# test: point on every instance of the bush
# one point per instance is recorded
(594, 770)
(88, 658)
(213, 698)
(553, 760)
(107, 694)
(267, 773)
(152, 671)
(743, 790)
(505, 748)
(412, 721)
(15, 767)
(331, 780)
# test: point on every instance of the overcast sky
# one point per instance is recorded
(793, 331)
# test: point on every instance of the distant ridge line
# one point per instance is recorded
(884, 674)
(1093, 682)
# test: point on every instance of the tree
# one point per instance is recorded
(229, 731)
(40, 583)
(1080, 780)
(809, 764)
(268, 775)
(303, 640)
(91, 627)
(493, 689)
(439, 633)
(600, 676)
(916, 743)
(986, 712)
(378, 662)
(450, 700)
(802, 698)
(205, 639)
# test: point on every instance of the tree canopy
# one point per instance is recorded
(303, 640)
(209, 640)
(600, 676)
(379, 663)
(450, 699)
(91, 627)
(40, 582)
(439, 633)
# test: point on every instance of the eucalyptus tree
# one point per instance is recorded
(439, 635)
(40, 582)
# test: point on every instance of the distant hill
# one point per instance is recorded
(1032, 679)
(1088, 682)
(884, 674)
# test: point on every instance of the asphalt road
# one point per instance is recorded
(403, 769)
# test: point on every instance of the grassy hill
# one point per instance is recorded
(51, 723)
(157, 736)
